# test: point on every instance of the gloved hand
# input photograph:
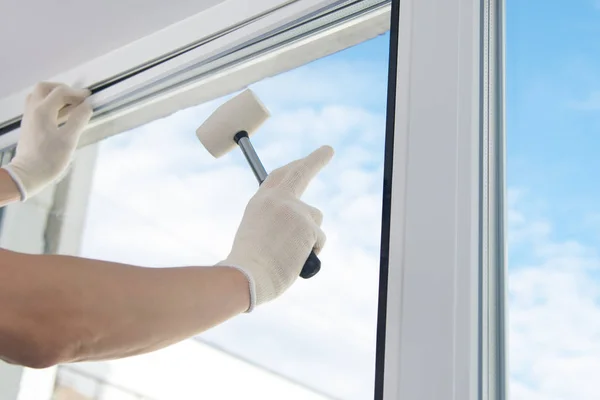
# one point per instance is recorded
(45, 150)
(278, 230)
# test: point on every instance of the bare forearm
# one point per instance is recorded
(81, 310)
(9, 192)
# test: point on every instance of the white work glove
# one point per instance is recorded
(278, 231)
(45, 149)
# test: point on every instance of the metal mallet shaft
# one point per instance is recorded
(312, 265)
(242, 139)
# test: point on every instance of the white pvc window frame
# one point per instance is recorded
(34, 385)
(222, 20)
(441, 316)
(441, 322)
(209, 34)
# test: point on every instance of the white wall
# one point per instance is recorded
(43, 38)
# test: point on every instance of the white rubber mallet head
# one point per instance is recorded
(244, 112)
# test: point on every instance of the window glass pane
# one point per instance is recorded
(158, 199)
(553, 118)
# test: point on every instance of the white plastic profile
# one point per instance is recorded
(444, 200)
(227, 14)
(219, 29)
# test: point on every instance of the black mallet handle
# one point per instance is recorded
(312, 266)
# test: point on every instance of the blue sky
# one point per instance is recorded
(553, 122)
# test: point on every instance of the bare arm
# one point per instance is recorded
(9, 192)
(58, 309)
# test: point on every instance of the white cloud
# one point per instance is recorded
(554, 313)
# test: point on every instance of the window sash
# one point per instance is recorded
(233, 43)
(312, 44)
(441, 320)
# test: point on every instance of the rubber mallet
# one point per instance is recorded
(232, 124)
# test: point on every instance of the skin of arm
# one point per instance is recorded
(58, 309)
(88, 310)
(9, 192)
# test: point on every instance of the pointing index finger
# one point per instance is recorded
(303, 171)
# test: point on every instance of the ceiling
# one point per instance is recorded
(42, 38)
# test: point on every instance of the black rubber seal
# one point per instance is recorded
(387, 203)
